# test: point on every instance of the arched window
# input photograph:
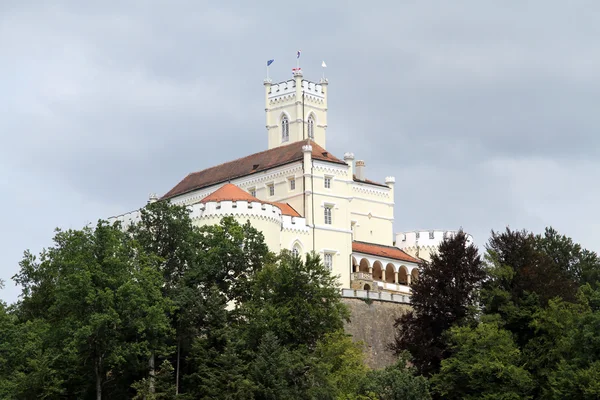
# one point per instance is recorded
(285, 129)
(296, 251)
(311, 126)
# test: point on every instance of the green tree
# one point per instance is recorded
(443, 296)
(522, 278)
(396, 382)
(565, 354)
(100, 293)
(299, 302)
(485, 364)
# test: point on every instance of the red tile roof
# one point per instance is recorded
(382, 251)
(286, 209)
(231, 192)
(249, 165)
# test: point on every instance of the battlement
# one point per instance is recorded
(244, 208)
(289, 87)
(422, 238)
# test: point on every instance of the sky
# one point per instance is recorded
(485, 112)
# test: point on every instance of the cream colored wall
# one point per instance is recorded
(285, 98)
(352, 202)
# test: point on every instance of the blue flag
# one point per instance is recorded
(298, 54)
(270, 62)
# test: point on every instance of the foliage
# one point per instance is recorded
(522, 278)
(485, 364)
(299, 302)
(224, 318)
(101, 295)
(161, 388)
(442, 296)
(396, 382)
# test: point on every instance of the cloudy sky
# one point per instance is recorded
(485, 112)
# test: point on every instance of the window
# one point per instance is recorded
(417, 235)
(271, 188)
(252, 192)
(292, 184)
(327, 182)
(328, 215)
(285, 129)
(328, 260)
(311, 127)
(431, 235)
(296, 251)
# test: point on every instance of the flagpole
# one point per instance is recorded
(267, 72)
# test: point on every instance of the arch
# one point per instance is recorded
(403, 275)
(285, 127)
(296, 247)
(310, 123)
(367, 287)
(390, 273)
(354, 265)
(378, 271)
(414, 274)
(364, 265)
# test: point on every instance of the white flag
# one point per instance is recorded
(323, 64)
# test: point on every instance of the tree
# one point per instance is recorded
(485, 364)
(443, 296)
(580, 265)
(396, 382)
(299, 302)
(101, 294)
(166, 231)
(565, 353)
(524, 274)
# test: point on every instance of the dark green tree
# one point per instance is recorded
(485, 364)
(396, 382)
(444, 295)
(524, 273)
(101, 294)
(299, 302)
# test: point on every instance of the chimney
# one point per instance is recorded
(153, 198)
(360, 170)
(349, 158)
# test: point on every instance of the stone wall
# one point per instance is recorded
(373, 323)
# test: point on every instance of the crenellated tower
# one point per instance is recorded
(296, 110)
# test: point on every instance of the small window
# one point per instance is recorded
(328, 260)
(431, 235)
(417, 235)
(252, 192)
(327, 182)
(311, 127)
(327, 215)
(271, 188)
(296, 251)
(285, 129)
(292, 184)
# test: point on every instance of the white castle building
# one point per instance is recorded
(305, 199)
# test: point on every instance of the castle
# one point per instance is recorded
(305, 199)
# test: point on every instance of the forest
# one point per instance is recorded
(162, 309)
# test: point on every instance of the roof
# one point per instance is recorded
(382, 251)
(249, 165)
(231, 192)
(286, 209)
(368, 181)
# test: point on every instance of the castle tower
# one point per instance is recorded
(296, 110)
